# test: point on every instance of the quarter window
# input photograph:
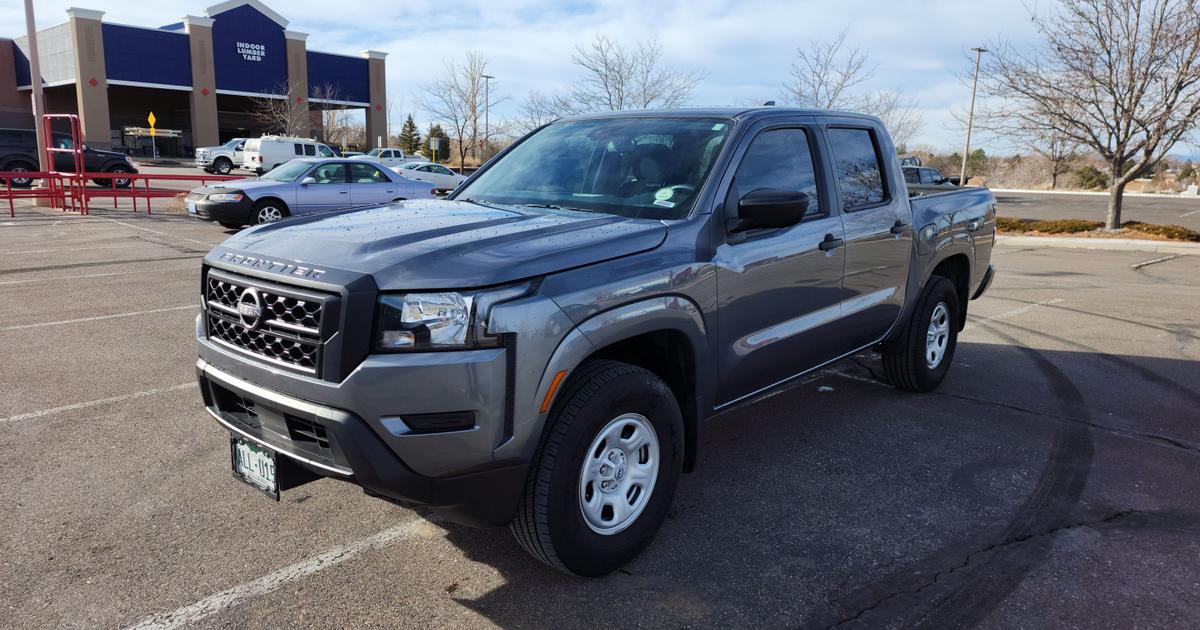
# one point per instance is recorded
(366, 174)
(859, 170)
(781, 159)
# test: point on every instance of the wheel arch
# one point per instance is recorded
(664, 335)
(956, 267)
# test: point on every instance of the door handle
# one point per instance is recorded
(899, 228)
(830, 243)
(343, 192)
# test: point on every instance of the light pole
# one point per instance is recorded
(35, 79)
(487, 106)
(962, 175)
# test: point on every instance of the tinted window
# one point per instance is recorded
(779, 159)
(366, 174)
(859, 170)
(310, 150)
(441, 170)
(329, 174)
(912, 175)
(299, 148)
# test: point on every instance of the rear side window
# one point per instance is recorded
(781, 159)
(366, 174)
(298, 148)
(859, 168)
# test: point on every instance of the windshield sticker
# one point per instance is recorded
(718, 126)
(663, 194)
(663, 203)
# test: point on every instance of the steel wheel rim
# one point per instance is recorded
(937, 337)
(618, 474)
(269, 214)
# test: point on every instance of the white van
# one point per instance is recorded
(263, 154)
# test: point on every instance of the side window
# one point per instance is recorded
(240, 146)
(441, 170)
(366, 174)
(310, 150)
(325, 151)
(859, 169)
(912, 176)
(329, 174)
(782, 159)
(298, 148)
(928, 176)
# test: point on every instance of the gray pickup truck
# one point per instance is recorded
(542, 349)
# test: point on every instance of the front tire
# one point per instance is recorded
(222, 166)
(19, 182)
(605, 473)
(121, 182)
(268, 211)
(919, 360)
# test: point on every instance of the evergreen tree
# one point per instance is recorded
(409, 139)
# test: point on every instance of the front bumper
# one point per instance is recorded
(225, 212)
(340, 444)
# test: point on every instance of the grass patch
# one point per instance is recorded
(1081, 227)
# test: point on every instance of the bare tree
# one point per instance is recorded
(281, 113)
(825, 74)
(1120, 77)
(456, 99)
(617, 78)
(899, 113)
(539, 108)
(338, 124)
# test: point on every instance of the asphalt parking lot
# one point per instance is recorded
(1050, 482)
(1161, 209)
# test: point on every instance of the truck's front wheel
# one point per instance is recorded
(605, 472)
(920, 358)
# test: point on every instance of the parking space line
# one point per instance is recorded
(229, 598)
(161, 233)
(76, 249)
(99, 275)
(95, 403)
(1015, 311)
(99, 317)
(1154, 261)
(1188, 214)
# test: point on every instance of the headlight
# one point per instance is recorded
(223, 197)
(439, 321)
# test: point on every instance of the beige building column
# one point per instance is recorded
(203, 99)
(91, 84)
(377, 123)
(297, 72)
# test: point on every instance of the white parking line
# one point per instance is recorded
(1154, 261)
(76, 249)
(1015, 311)
(1188, 214)
(167, 234)
(99, 317)
(100, 275)
(218, 602)
(94, 403)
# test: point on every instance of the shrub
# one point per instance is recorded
(1174, 232)
(1089, 177)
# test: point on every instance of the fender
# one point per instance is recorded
(668, 312)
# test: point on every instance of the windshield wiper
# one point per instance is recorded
(554, 206)
(486, 204)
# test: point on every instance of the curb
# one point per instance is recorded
(1022, 191)
(1112, 244)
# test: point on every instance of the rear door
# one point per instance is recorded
(779, 290)
(330, 190)
(879, 231)
(369, 184)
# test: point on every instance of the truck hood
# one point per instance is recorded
(438, 244)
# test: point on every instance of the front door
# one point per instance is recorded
(370, 185)
(878, 234)
(778, 291)
(329, 191)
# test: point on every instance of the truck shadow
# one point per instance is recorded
(844, 499)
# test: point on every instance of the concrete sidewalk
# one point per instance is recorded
(1111, 244)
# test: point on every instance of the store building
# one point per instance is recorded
(204, 77)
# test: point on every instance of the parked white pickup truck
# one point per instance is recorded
(221, 159)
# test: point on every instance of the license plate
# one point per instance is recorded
(255, 465)
(191, 207)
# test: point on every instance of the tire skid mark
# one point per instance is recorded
(960, 584)
(1174, 331)
(102, 263)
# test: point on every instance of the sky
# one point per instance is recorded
(744, 48)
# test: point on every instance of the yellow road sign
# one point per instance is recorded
(151, 119)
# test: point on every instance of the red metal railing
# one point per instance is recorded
(70, 190)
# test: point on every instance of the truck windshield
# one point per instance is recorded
(638, 167)
(288, 172)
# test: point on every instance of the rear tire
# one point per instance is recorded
(605, 472)
(920, 358)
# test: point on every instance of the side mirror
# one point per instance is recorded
(308, 180)
(768, 208)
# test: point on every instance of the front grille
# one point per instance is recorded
(289, 329)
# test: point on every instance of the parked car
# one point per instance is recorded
(18, 153)
(925, 180)
(221, 160)
(388, 156)
(441, 177)
(260, 155)
(542, 348)
(302, 186)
